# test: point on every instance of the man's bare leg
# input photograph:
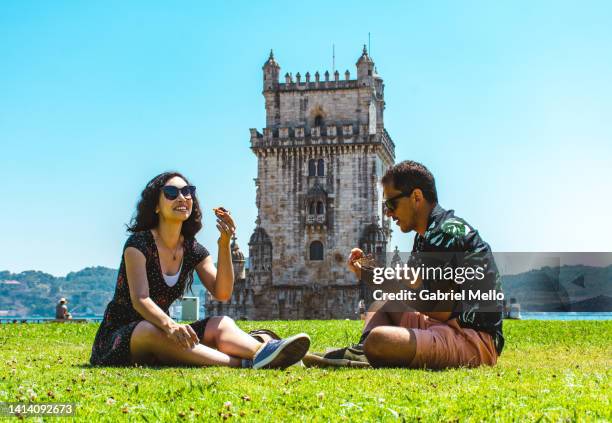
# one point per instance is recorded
(390, 346)
(375, 316)
(378, 315)
(387, 344)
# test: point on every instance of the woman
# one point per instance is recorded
(158, 262)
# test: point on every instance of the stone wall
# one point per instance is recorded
(300, 107)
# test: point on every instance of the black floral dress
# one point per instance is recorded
(112, 343)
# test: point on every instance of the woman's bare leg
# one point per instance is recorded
(150, 345)
(222, 334)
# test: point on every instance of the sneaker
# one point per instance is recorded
(281, 353)
(352, 356)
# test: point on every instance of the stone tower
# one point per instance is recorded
(320, 159)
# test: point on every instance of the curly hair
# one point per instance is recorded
(145, 217)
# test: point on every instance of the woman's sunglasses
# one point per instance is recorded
(172, 192)
(391, 203)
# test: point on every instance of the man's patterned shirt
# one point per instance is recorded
(456, 243)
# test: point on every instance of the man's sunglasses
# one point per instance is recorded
(391, 203)
(172, 192)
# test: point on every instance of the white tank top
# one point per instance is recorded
(171, 280)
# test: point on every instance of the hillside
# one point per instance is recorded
(35, 293)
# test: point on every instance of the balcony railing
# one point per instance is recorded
(311, 219)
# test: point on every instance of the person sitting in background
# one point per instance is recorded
(157, 267)
(61, 310)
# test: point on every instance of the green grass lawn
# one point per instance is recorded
(549, 370)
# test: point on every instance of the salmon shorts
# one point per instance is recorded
(442, 345)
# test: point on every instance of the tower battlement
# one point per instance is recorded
(301, 85)
(334, 83)
(331, 135)
(366, 76)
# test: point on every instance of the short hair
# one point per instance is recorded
(409, 175)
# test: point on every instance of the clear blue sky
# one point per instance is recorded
(508, 103)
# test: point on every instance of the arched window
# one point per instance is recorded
(311, 208)
(320, 168)
(312, 167)
(316, 250)
(320, 209)
(318, 121)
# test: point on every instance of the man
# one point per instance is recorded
(432, 335)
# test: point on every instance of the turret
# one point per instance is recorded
(237, 260)
(365, 68)
(396, 259)
(271, 72)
